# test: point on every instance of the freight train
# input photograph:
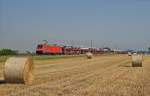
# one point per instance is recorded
(55, 49)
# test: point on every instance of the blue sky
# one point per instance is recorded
(123, 24)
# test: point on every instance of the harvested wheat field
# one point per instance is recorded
(106, 75)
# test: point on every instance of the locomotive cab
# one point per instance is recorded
(39, 49)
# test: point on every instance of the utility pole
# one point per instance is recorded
(72, 43)
(91, 45)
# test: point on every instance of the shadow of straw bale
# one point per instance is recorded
(127, 66)
(2, 81)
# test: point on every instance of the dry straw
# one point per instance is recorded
(89, 55)
(19, 70)
(137, 60)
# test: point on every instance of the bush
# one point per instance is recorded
(7, 52)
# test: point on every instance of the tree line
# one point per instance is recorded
(7, 52)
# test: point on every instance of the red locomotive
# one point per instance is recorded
(46, 48)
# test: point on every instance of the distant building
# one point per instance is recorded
(106, 49)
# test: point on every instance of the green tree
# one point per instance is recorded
(7, 52)
(149, 49)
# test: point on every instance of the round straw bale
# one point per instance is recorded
(19, 70)
(129, 54)
(137, 60)
(89, 55)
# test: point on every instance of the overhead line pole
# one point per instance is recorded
(91, 45)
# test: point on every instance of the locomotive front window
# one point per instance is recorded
(40, 46)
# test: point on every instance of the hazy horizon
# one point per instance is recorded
(123, 24)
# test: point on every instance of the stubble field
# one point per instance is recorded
(105, 75)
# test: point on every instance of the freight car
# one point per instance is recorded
(46, 48)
